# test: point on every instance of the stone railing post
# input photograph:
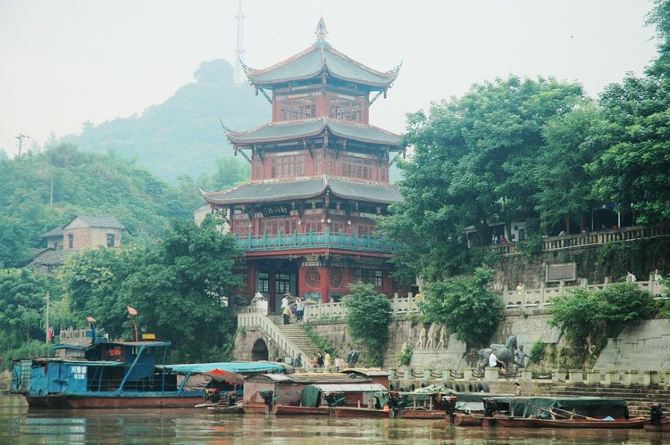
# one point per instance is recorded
(526, 376)
(446, 375)
(426, 375)
(467, 374)
(666, 378)
(649, 377)
(576, 376)
(491, 374)
(631, 377)
(593, 377)
(408, 374)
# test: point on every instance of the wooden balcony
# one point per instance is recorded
(316, 240)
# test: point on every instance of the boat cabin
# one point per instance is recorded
(287, 388)
(370, 395)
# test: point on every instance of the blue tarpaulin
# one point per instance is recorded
(236, 367)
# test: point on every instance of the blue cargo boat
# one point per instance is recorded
(99, 373)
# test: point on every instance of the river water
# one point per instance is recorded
(18, 425)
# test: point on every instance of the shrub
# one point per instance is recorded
(466, 304)
(369, 314)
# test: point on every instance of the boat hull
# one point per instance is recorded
(466, 420)
(660, 427)
(421, 414)
(345, 411)
(636, 422)
(88, 402)
(289, 410)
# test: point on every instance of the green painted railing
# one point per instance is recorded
(316, 240)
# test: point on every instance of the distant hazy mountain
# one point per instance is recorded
(183, 134)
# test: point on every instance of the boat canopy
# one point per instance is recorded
(543, 407)
(235, 367)
(312, 394)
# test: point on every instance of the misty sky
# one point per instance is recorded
(68, 61)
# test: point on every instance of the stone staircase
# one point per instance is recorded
(637, 396)
(297, 335)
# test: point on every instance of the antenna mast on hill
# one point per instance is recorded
(239, 49)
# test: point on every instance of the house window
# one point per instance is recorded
(111, 240)
(70, 240)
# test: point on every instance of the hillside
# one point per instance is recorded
(181, 136)
(83, 183)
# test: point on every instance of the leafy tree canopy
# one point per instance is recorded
(473, 164)
(466, 305)
(589, 318)
(178, 286)
(368, 317)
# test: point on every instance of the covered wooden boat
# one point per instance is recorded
(558, 412)
(287, 389)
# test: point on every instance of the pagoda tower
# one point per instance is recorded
(319, 179)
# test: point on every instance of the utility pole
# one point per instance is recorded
(20, 138)
(239, 48)
(48, 336)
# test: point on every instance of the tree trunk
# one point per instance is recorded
(567, 225)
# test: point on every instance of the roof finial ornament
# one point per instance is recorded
(321, 31)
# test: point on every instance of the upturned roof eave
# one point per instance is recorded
(237, 137)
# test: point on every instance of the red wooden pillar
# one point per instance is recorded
(387, 284)
(301, 281)
(325, 283)
(251, 279)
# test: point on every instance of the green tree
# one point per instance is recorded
(466, 305)
(632, 171)
(179, 286)
(589, 318)
(473, 164)
(368, 317)
(22, 298)
(564, 184)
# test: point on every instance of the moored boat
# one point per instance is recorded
(662, 426)
(91, 371)
(462, 419)
(558, 412)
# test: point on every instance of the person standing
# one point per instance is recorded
(299, 308)
(286, 313)
(630, 277)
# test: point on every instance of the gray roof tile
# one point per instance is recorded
(319, 58)
(258, 192)
(293, 130)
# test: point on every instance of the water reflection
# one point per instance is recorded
(191, 426)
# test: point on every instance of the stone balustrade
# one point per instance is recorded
(399, 306)
(552, 243)
(542, 297)
(251, 318)
(407, 377)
